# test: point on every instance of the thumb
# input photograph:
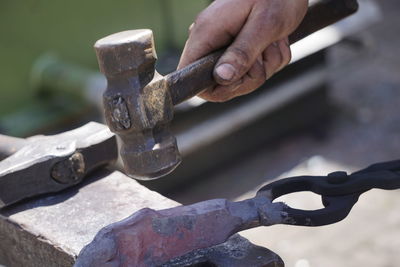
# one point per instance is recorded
(233, 64)
(240, 56)
(260, 30)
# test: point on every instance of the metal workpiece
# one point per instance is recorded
(152, 238)
(139, 102)
(156, 237)
(46, 164)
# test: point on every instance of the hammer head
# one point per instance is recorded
(138, 107)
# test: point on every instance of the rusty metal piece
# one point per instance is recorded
(152, 238)
(47, 164)
(139, 102)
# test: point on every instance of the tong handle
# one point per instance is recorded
(339, 192)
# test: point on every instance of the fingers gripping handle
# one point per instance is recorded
(198, 76)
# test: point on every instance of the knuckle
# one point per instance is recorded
(199, 23)
(190, 29)
(201, 20)
(276, 22)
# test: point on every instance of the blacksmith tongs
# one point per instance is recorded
(339, 192)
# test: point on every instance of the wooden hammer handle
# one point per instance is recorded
(198, 76)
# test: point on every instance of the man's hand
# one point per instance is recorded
(256, 31)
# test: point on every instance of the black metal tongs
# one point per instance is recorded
(339, 192)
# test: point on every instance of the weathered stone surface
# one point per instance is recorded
(52, 230)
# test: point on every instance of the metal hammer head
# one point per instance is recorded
(138, 107)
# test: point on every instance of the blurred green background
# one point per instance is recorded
(31, 28)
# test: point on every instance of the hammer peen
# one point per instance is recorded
(139, 102)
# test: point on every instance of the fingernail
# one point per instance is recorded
(225, 71)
